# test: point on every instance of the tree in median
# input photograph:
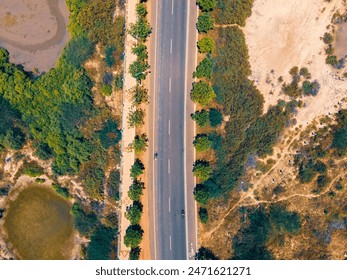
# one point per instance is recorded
(202, 142)
(137, 169)
(133, 236)
(205, 23)
(202, 194)
(134, 212)
(207, 5)
(202, 93)
(206, 45)
(140, 143)
(201, 117)
(204, 69)
(202, 169)
(136, 190)
(136, 118)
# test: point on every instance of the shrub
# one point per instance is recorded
(207, 5)
(140, 143)
(134, 212)
(202, 169)
(113, 185)
(234, 11)
(136, 190)
(77, 51)
(136, 118)
(137, 169)
(202, 194)
(110, 55)
(202, 93)
(205, 254)
(141, 29)
(202, 142)
(204, 69)
(201, 117)
(203, 215)
(206, 45)
(141, 52)
(138, 70)
(205, 23)
(141, 10)
(118, 82)
(140, 95)
(106, 89)
(332, 60)
(215, 117)
(328, 38)
(64, 192)
(100, 245)
(305, 73)
(135, 253)
(284, 220)
(84, 222)
(133, 236)
(31, 168)
(340, 139)
(110, 135)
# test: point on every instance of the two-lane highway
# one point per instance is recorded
(173, 59)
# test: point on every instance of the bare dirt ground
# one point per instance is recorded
(282, 34)
(34, 31)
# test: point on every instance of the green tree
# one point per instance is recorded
(137, 169)
(110, 55)
(77, 51)
(328, 38)
(205, 23)
(136, 190)
(141, 29)
(135, 253)
(205, 254)
(202, 142)
(215, 117)
(138, 69)
(202, 194)
(140, 95)
(203, 215)
(134, 212)
(140, 143)
(201, 117)
(100, 245)
(202, 93)
(133, 236)
(202, 169)
(136, 118)
(332, 60)
(141, 52)
(206, 45)
(207, 5)
(106, 89)
(141, 9)
(204, 69)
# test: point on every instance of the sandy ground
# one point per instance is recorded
(34, 31)
(281, 34)
(341, 40)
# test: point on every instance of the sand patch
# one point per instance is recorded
(341, 40)
(281, 34)
(34, 31)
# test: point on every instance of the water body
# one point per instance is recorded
(39, 225)
(341, 40)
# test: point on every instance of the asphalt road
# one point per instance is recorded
(173, 59)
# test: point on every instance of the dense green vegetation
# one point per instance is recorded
(137, 169)
(207, 5)
(136, 190)
(205, 23)
(31, 168)
(100, 245)
(134, 212)
(133, 236)
(201, 117)
(85, 221)
(202, 169)
(205, 254)
(140, 143)
(64, 192)
(203, 215)
(135, 253)
(113, 184)
(202, 142)
(204, 69)
(202, 93)
(206, 45)
(233, 11)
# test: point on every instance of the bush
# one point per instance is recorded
(328, 38)
(206, 45)
(215, 117)
(284, 220)
(133, 236)
(234, 11)
(202, 93)
(84, 222)
(203, 215)
(64, 192)
(141, 29)
(136, 190)
(110, 55)
(207, 5)
(141, 10)
(134, 212)
(135, 253)
(137, 169)
(204, 69)
(201, 117)
(113, 185)
(110, 135)
(118, 82)
(340, 139)
(141, 52)
(202, 169)
(77, 51)
(136, 118)
(305, 73)
(31, 168)
(139, 70)
(202, 143)
(140, 95)
(332, 60)
(140, 143)
(106, 89)
(205, 23)
(202, 194)
(205, 254)
(100, 245)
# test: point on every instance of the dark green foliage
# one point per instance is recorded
(137, 169)
(203, 215)
(100, 245)
(215, 117)
(332, 60)
(140, 143)
(77, 51)
(141, 52)
(305, 73)
(84, 222)
(113, 184)
(207, 5)
(134, 212)
(204, 69)
(206, 45)
(136, 118)
(322, 181)
(202, 169)
(141, 10)
(205, 23)
(138, 69)
(328, 38)
(110, 55)
(310, 88)
(202, 142)
(43, 151)
(340, 139)
(141, 29)
(205, 254)
(135, 253)
(216, 140)
(64, 192)
(202, 194)
(110, 135)
(136, 190)
(133, 236)
(118, 82)
(202, 93)
(284, 220)
(234, 11)
(201, 117)
(93, 178)
(140, 95)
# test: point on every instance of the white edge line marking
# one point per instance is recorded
(184, 130)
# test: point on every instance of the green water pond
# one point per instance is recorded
(39, 225)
